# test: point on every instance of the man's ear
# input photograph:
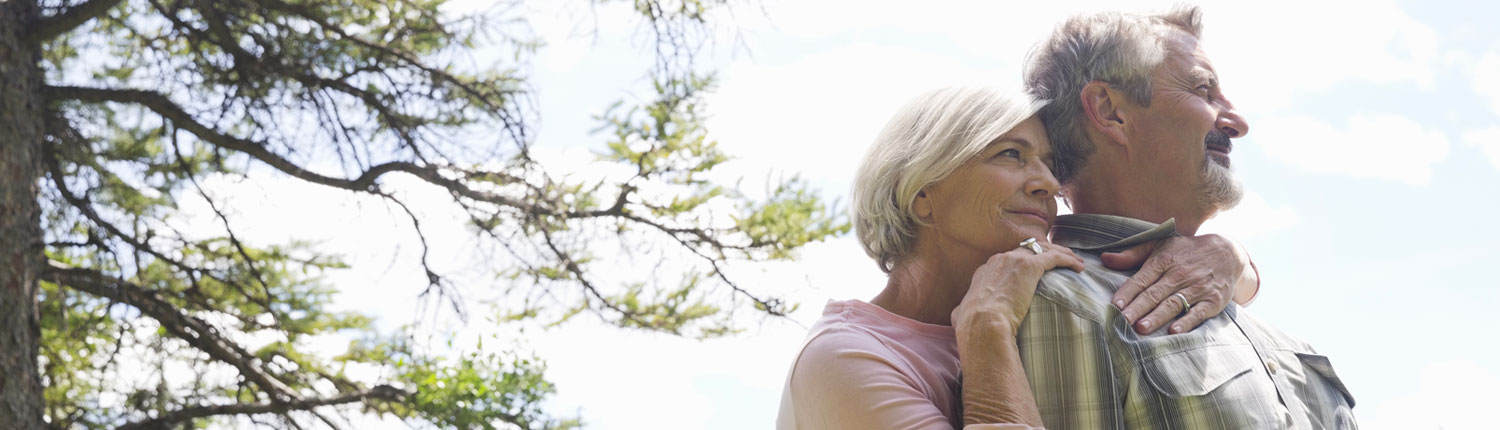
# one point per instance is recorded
(1103, 110)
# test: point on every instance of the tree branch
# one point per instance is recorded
(577, 272)
(365, 183)
(512, 125)
(433, 279)
(86, 208)
(51, 27)
(196, 332)
(690, 238)
(163, 106)
(166, 421)
(251, 64)
(234, 239)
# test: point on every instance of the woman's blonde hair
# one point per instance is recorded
(923, 143)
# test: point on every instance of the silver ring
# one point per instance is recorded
(1185, 304)
(1030, 243)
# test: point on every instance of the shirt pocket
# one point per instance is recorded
(1324, 399)
(1324, 368)
(1198, 371)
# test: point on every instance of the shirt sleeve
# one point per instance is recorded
(845, 379)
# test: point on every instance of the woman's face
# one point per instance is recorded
(997, 199)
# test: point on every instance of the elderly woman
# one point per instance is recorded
(954, 202)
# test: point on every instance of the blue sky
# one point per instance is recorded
(1372, 166)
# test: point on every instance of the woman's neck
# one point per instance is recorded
(925, 289)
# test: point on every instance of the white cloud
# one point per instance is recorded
(1455, 394)
(1488, 141)
(1487, 79)
(818, 116)
(1273, 51)
(1253, 218)
(1379, 146)
(971, 24)
(574, 32)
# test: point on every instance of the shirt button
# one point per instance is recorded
(1271, 366)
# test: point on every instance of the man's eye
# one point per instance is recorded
(1205, 91)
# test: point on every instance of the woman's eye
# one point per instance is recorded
(1012, 153)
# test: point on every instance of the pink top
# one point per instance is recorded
(866, 368)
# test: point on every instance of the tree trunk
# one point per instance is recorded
(21, 124)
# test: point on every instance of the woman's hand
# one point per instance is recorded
(1000, 291)
(995, 389)
(1208, 271)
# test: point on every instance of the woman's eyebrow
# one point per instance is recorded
(1016, 140)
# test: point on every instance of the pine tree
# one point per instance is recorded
(114, 111)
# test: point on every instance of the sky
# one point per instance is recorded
(1372, 169)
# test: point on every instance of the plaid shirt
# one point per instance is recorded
(1090, 370)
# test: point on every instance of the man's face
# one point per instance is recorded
(1184, 136)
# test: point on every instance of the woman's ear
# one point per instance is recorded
(922, 206)
(1103, 111)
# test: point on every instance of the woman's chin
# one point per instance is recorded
(1028, 230)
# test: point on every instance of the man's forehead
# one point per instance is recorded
(1187, 51)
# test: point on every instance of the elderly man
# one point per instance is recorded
(1141, 132)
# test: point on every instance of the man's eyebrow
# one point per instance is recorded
(1206, 75)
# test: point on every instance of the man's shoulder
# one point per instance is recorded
(1086, 293)
(1274, 337)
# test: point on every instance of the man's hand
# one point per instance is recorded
(1208, 270)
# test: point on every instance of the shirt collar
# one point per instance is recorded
(1107, 233)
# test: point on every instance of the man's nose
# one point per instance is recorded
(1231, 123)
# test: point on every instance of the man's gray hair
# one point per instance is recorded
(923, 143)
(1120, 49)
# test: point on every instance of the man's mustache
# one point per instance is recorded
(1216, 137)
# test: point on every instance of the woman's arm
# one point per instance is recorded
(1207, 270)
(995, 389)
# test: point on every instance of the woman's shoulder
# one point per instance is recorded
(843, 329)
(862, 315)
(856, 335)
(855, 360)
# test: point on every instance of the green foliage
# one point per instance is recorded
(790, 217)
(479, 390)
(672, 311)
(665, 139)
(78, 336)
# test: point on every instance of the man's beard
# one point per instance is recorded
(1219, 189)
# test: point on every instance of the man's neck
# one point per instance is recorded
(1113, 193)
(1107, 233)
